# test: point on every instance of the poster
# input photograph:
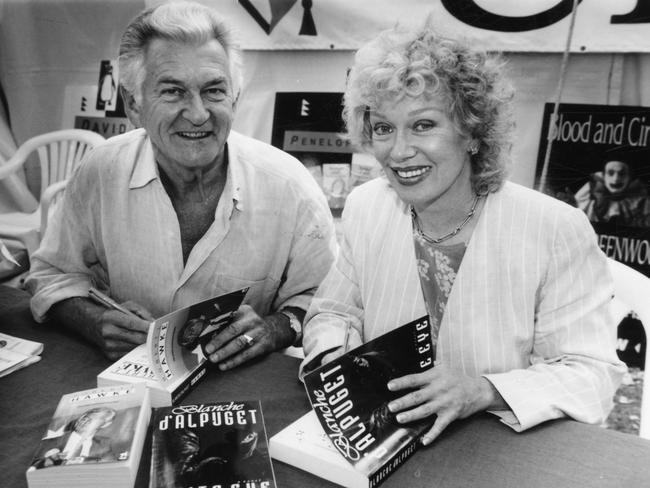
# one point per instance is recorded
(308, 126)
(98, 108)
(599, 161)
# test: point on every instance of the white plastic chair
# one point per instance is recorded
(633, 289)
(59, 153)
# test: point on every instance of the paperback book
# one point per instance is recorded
(350, 400)
(17, 353)
(95, 438)
(216, 445)
(172, 360)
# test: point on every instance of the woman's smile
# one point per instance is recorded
(411, 175)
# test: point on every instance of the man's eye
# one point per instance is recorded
(173, 92)
(215, 94)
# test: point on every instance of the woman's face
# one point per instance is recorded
(422, 153)
(616, 176)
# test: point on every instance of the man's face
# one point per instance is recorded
(187, 104)
(617, 176)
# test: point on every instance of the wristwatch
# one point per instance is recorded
(295, 324)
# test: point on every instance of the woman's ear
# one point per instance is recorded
(131, 107)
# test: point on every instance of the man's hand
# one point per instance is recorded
(115, 332)
(445, 392)
(248, 336)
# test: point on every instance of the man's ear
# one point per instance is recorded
(131, 107)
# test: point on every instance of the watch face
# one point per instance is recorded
(294, 323)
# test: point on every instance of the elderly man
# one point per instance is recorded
(183, 208)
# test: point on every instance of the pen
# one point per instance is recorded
(346, 338)
(107, 301)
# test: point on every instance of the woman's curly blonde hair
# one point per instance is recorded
(402, 62)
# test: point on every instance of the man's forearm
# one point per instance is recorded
(79, 315)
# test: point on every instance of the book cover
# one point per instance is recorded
(350, 398)
(95, 438)
(598, 160)
(172, 360)
(220, 445)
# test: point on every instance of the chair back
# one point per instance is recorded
(633, 289)
(59, 152)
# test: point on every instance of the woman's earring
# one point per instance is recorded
(473, 149)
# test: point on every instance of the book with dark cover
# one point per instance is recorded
(172, 360)
(217, 445)
(95, 438)
(350, 398)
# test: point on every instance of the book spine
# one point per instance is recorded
(393, 463)
(184, 388)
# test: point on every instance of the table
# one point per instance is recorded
(476, 452)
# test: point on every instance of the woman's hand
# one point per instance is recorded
(445, 392)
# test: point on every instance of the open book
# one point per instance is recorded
(350, 412)
(17, 353)
(172, 360)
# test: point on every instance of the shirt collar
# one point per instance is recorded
(146, 170)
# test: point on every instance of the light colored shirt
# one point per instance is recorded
(529, 308)
(117, 230)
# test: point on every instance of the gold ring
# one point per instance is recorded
(249, 339)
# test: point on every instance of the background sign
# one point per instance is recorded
(600, 162)
(510, 25)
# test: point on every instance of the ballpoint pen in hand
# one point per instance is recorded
(107, 301)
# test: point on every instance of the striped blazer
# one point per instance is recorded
(529, 308)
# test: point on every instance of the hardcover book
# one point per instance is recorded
(172, 360)
(350, 400)
(95, 438)
(217, 445)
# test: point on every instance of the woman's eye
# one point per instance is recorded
(381, 129)
(423, 125)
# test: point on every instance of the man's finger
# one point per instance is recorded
(225, 336)
(243, 356)
(139, 310)
(127, 322)
(116, 332)
(236, 345)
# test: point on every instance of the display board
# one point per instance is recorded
(54, 56)
(599, 161)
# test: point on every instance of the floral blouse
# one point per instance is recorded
(437, 267)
